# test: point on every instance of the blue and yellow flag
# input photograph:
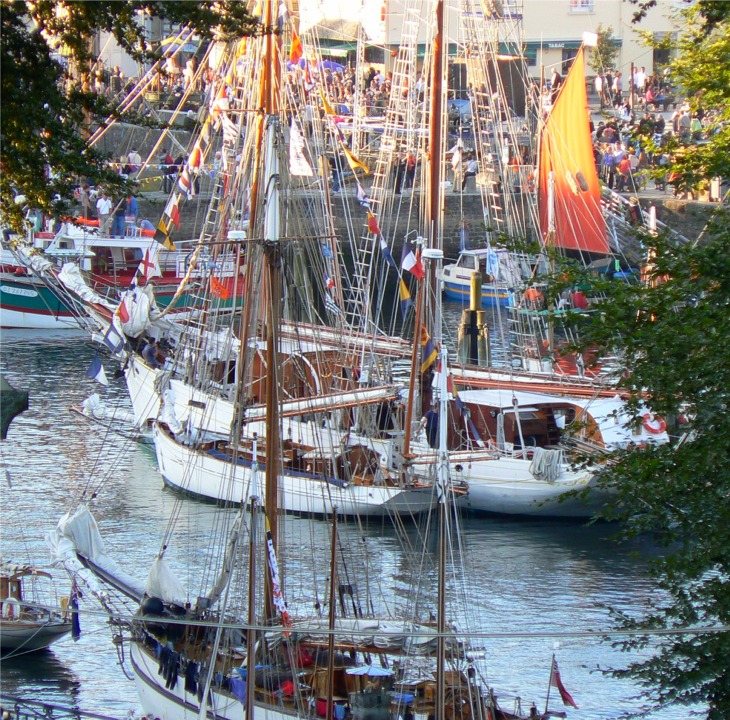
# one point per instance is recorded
(406, 303)
(429, 352)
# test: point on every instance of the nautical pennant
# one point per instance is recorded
(218, 289)
(230, 130)
(362, 197)
(172, 210)
(220, 103)
(148, 267)
(373, 224)
(355, 162)
(114, 338)
(296, 51)
(331, 305)
(196, 158)
(411, 261)
(96, 371)
(162, 234)
(406, 303)
(328, 109)
(385, 251)
(282, 15)
(184, 182)
(298, 164)
(429, 352)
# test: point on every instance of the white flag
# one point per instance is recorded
(298, 164)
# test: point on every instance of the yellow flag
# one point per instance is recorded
(354, 162)
(327, 107)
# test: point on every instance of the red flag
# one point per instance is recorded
(173, 211)
(373, 224)
(219, 289)
(555, 681)
(122, 312)
(412, 262)
(296, 51)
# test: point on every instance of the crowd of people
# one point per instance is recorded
(632, 144)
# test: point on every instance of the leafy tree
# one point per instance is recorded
(673, 331)
(603, 55)
(47, 113)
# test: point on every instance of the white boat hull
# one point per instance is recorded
(506, 486)
(29, 635)
(202, 475)
(177, 704)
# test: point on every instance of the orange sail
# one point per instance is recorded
(570, 215)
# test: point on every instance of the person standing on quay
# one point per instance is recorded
(555, 82)
(103, 210)
(120, 214)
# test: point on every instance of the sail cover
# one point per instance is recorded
(566, 152)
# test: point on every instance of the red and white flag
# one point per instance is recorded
(149, 267)
(412, 261)
(557, 682)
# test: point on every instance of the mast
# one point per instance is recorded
(272, 282)
(433, 211)
(271, 278)
(435, 134)
(251, 632)
(331, 619)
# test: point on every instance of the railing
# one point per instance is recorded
(15, 708)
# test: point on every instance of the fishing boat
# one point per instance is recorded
(496, 265)
(28, 622)
(105, 264)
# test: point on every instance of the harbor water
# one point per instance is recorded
(537, 587)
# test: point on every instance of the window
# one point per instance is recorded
(568, 57)
(581, 6)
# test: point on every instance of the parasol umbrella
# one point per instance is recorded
(332, 65)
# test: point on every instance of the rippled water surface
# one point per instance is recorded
(523, 580)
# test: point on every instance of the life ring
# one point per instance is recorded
(654, 424)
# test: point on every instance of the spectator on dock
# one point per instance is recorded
(103, 210)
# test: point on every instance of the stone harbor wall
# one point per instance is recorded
(686, 217)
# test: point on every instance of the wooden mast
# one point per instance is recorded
(433, 210)
(271, 281)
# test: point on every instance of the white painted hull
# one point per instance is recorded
(507, 487)
(199, 474)
(35, 321)
(198, 409)
(176, 704)
(141, 387)
(28, 635)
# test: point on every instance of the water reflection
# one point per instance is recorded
(523, 578)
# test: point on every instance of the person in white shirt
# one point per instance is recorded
(470, 170)
(135, 160)
(103, 210)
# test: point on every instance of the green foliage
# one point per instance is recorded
(672, 332)
(46, 114)
(603, 56)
